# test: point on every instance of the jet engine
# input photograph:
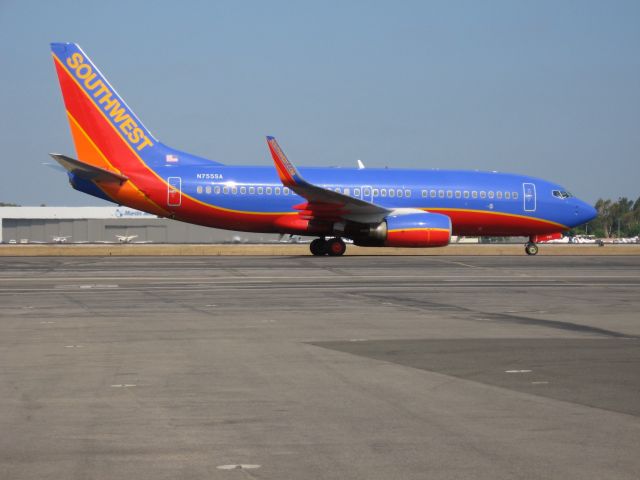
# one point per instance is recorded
(422, 229)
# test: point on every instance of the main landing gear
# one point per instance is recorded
(531, 248)
(334, 247)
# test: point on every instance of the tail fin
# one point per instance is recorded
(106, 132)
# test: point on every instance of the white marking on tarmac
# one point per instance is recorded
(46, 323)
(518, 371)
(539, 383)
(124, 385)
(73, 346)
(98, 286)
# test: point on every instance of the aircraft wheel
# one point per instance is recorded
(531, 248)
(318, 247)
(336, 247)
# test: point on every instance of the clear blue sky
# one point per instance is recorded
(545, 88)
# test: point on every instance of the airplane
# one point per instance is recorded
(126, 238)
(121, 239)
(61, 239)
(119, 160)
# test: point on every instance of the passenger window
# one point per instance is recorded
(399, 193)
(260, 190)
(491, 194)
(424, 194)
(216, 190)
(449, 194)
(466, 194)
(499, 195)
(375, 192)
(285, 191)
(432, 194)
(458, 193)
(199, 189)
(347, 191)
(276, 190)
(483, 194)
(269, 190)
(225, 190)
(367, 192)
(252, 190)
(208, 189)
(514, 195)
(392, 192)
(234, 190)
(383, 192)
(474, 194)
(356, 192)
(407, 193)
(441, 193)
(507, 195)
(243, 190)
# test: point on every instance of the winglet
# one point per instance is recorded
(288, 173)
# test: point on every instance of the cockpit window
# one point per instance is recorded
(561, 194)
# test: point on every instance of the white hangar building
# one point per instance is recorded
(107, 224)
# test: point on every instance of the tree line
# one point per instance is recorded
(615, 219)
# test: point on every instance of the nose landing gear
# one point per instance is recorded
(333, 247)
(531, 248)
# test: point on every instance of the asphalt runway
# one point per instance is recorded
(320, 368)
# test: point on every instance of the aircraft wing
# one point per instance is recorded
(323, 203)
(86, 171)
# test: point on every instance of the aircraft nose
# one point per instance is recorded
(585, 212)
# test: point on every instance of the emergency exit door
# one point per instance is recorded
(529, 191)
(174, 191)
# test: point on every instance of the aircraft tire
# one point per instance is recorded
(318, 247)
(336, 247)
(531, 248)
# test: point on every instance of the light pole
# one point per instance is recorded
(618, 227)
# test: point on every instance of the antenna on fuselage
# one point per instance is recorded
(360, 165)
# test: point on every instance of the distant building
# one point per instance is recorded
(108, 224)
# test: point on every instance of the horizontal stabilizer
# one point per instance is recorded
(86, 171)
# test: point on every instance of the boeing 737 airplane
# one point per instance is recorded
(119, 160)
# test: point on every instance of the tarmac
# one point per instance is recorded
(287, 367)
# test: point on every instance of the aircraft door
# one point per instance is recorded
(174, 191)
(529, 195)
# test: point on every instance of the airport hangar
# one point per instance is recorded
(104, 224)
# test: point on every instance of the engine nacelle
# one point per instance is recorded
(410, 230)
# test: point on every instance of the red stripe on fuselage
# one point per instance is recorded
(477, 223)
